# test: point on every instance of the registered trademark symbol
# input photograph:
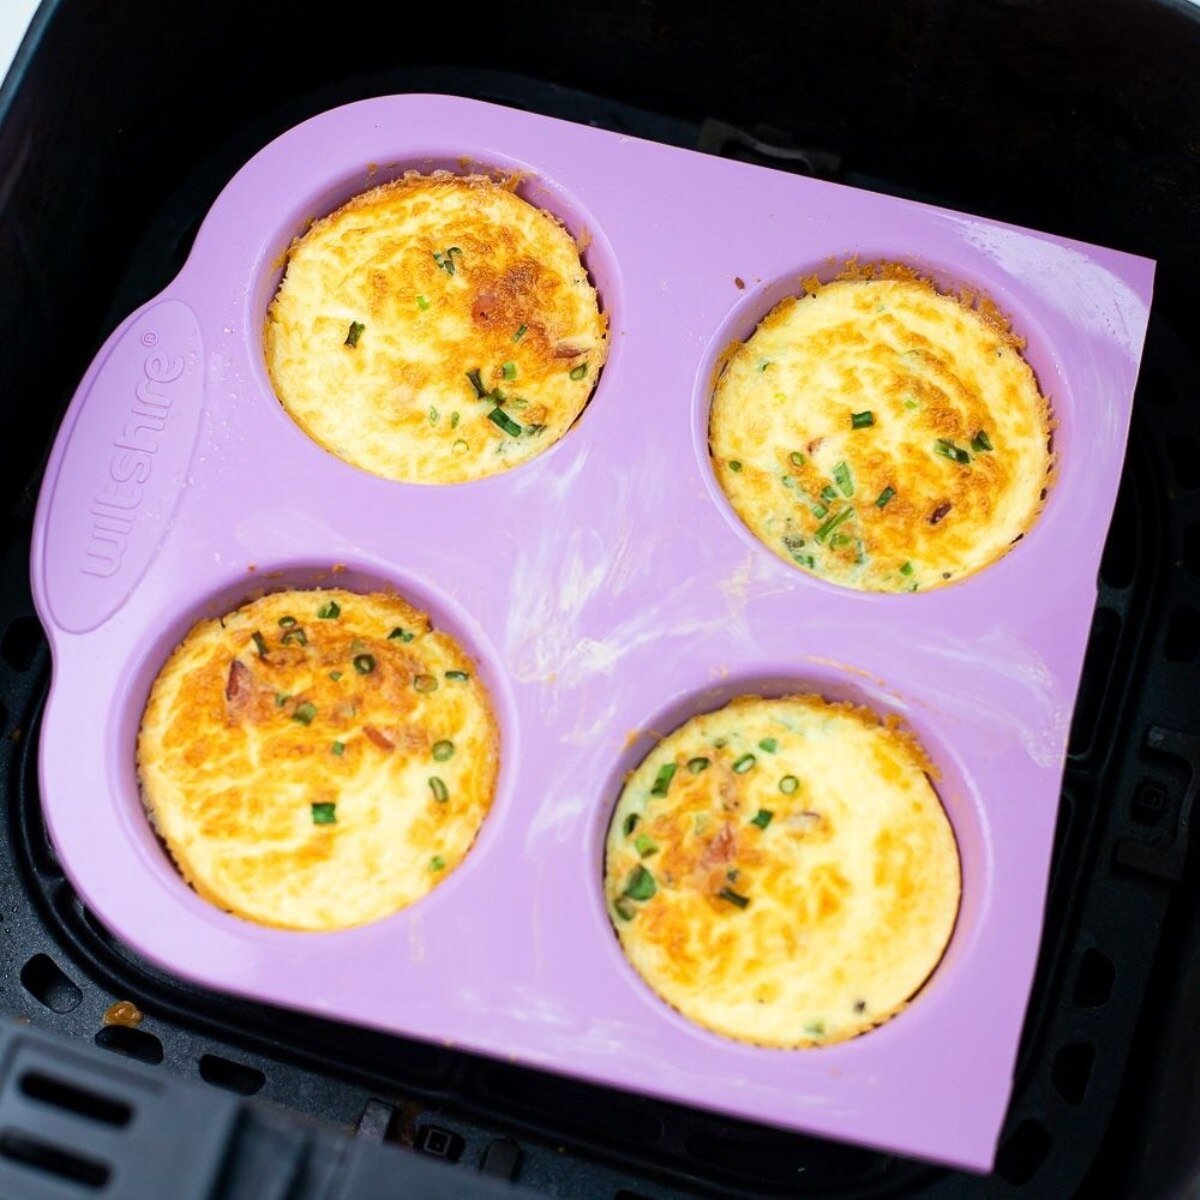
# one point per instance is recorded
(150, 339)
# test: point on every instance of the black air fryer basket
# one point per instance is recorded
(120, 122)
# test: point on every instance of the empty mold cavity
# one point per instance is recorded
(744, 318)
(46, 982)
(532, 185)
(960, 802)
(444, 615)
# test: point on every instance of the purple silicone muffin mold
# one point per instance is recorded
(618, 595)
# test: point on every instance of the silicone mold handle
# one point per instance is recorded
(121, 465)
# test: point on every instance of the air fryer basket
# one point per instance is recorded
(113, 145)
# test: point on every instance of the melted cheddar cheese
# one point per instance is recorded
(435, 329)
(781, 871)
(318, 759)
(882, 435)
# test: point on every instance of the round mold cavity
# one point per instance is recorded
(138, 677)
(953, 784)
(747, 313)
(596, 254)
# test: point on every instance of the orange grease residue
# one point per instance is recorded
(123, 1012)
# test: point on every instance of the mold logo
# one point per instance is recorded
(115, 505)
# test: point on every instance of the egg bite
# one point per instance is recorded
(436, 329)
(782, 872)
(318, 759)
(881, 434)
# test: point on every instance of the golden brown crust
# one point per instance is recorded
(443, 275)
(781, 870)
(950, 465)
(287, 751)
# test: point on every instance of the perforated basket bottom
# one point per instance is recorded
(1115, 858)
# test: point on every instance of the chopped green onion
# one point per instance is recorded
(815, 1029)
(422, 303)
(645, 845)
(838, 540)
(534, 430)
(458, 676)
(580, 371)
(828, 494)
(324, 814)
(425, 683)
(744, 764)
(662, 780)
(819, 511)
(906, 568)
(402, 634)
(947, 449)
(520, 333)
(981, 442)
(443, 751)
(770, 745)
(339, 748)
(832, 523)
(287, 622)
(327, 612)
(762, 818)
(281, 698)
(805, 560)
(454, 250)
(720, 743)
(499, 417)
(734, 465)
(631, 823)
(477, 384)
(862, 420)
(446, 259)
(509, 370)
(796, 458)
(437, 863)
(454, 419)
(296, 635)
(433, 415)
(364, 664)
(624, 909)
(356, 331)
(438, 788)
(259, 643)
(696, 765)
(910, 403)
(881, 501)
(841, 476)
(640, 885)
(727, 893)
(788, 784)
(305, 712)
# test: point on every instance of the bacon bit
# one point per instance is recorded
(486, 307)
(739, 283)
(566, 350)
(380, 739)
(240, 686)
(722, 848)
(812, 446)
(939, 512)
